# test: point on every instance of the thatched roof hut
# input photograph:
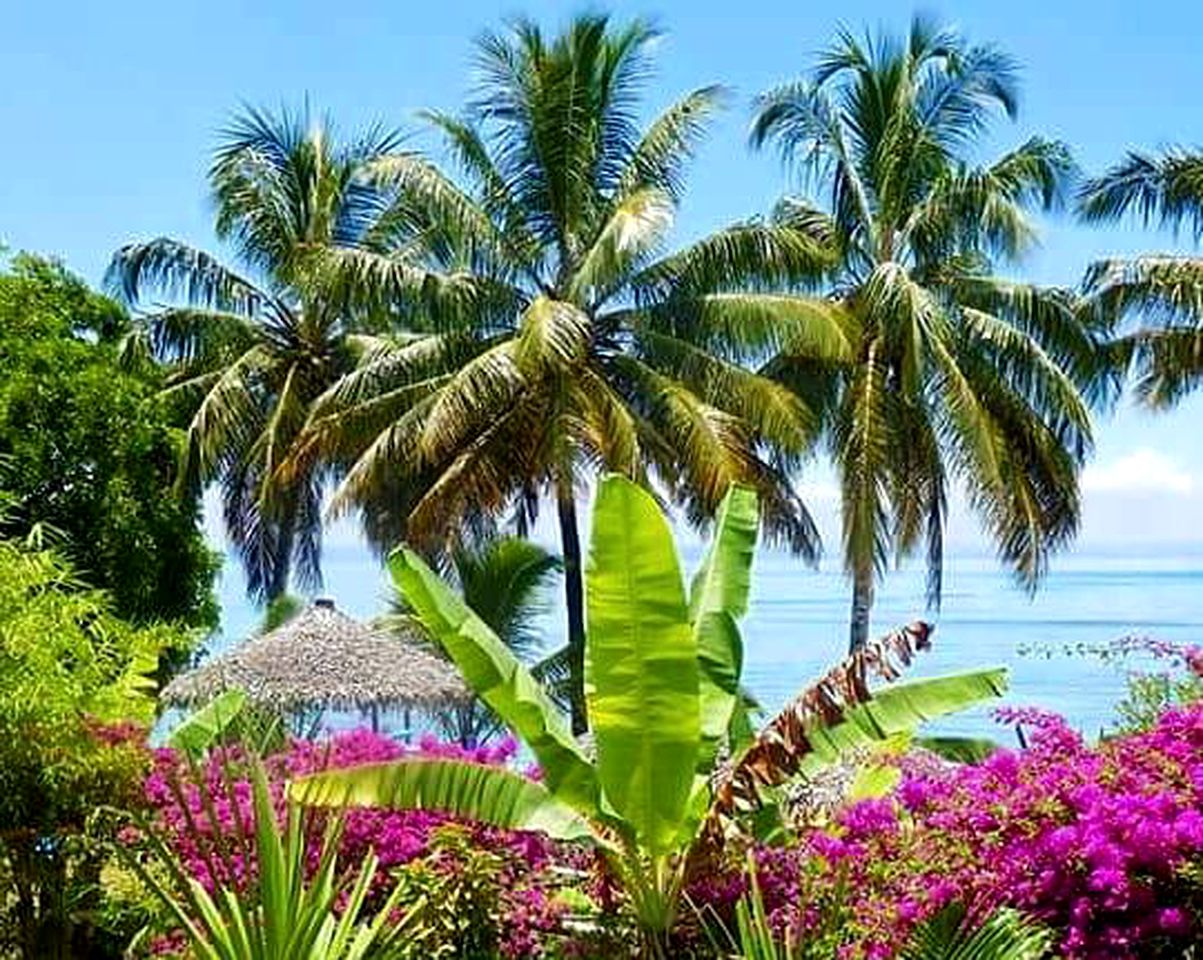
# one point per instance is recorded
(324, 658)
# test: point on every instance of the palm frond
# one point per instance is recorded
(178, 270)
(1165, 190)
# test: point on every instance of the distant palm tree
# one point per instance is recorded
(251, 352)
(955, 373)
(1165, 290)
(581, 351)
(505, 582)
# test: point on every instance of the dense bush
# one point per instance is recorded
(74, 702)
(1103, 844)
(496, 891)
(89, 447)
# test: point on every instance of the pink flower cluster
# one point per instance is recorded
(1104, 844)
(186, 806)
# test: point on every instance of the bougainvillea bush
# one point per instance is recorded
(497, 890)
(1103, 843)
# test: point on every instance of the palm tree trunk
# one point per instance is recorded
(277, 578)
(574, 595)
(862, 604)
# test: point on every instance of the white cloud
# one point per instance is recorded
(1142, 471)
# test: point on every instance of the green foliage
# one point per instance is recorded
(1149, 695)
(1163, 293)
(248, 354)
(951, 372)
(559, 341)
(644, 801)
(465, 923)
(641, 668)
(959, 749)
(280, 610)
(88, 450)
(504, 582)
(1004, 935)
(209, 725)
(754, 937)
(290, 908)
(76, 695)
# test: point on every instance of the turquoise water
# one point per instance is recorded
(797, 622)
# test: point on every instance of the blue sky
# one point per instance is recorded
(110, 110)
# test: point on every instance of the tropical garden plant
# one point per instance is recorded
(1165, 291)
(504, 581)
(76, 698)
(1101, 844)
(494, 889)
(88, 450)
(662, 672)
(949, 371)
(954, 935)
(584, 346)
(290, 909)
(250, 351)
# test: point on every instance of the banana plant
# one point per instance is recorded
(662, 673)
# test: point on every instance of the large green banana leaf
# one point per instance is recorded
(900, 708)
(641, 665)
(470, 790)
(718, 598)
(204, 728)
(500, 680)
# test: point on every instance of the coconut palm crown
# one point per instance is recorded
(586, 346)
(1165, 351)
(956, 374)
(251, 350)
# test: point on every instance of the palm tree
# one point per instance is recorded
(955, 373)
(580, 349)
(505, 581)
(250, 351)
(1166, 355)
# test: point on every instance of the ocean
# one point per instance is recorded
(797, 623)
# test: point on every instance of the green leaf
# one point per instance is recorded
(899, 708)
(205, 728)
(873, 781)
(719, 596)
(968, 750)
(500, 680)
(1004, 935)
(641, 668)
(471, 790)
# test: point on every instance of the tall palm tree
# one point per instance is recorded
(956, 373)
(251, 350)
(582, 349)
(1166, 290)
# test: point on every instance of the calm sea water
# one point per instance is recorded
(797, 622)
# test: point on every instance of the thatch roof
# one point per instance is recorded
(324, 658)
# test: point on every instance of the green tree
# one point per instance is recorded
(73, 676)
(1165, 352)
(504, 581)
(583, 348)
(251, 353)
(88, 450)
(663, 669)
(954, 371)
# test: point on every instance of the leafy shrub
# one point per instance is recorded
(501, 882)
(1102, 844)
(74, 698)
